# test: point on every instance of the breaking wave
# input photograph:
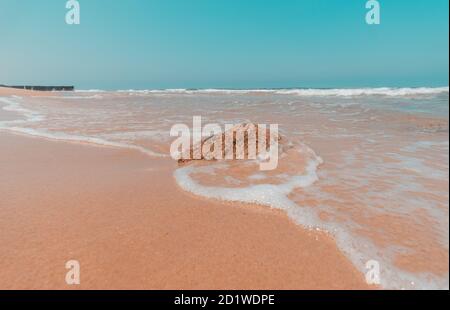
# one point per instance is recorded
(308, 92)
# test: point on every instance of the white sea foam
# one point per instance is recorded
(159, 135)
(33, 117)
(14, 106)
(80, 139)
(311, 92)
(357, 248)
(274, 196)
(384, 91)
(90, 91)
(72, 97)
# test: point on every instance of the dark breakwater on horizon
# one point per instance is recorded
(41, 88)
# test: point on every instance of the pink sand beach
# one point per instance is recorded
(87, 176)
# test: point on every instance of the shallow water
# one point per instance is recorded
(369, 166)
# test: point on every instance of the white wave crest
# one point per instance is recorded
(307, 92)
(33, 117)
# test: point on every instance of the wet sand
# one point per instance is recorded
(123, 217)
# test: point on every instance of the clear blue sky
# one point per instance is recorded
(224, 44)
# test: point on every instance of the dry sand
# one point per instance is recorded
(122, 216)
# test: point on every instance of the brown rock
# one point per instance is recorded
(238, 146)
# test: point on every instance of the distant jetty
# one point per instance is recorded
(41, 88)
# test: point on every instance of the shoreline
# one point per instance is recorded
(198, 243)
(136, 148)
(101, 205)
